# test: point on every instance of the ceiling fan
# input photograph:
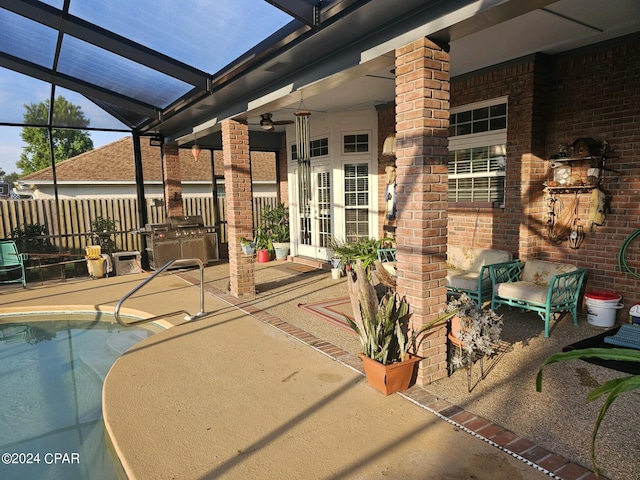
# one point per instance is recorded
(268, 124)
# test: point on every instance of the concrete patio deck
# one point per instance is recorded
(258, 389)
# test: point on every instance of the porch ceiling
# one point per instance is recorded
(337, 57)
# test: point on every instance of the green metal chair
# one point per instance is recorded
(12, 261)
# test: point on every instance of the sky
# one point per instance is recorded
(19, 90)
(231, 28)
(11, 145)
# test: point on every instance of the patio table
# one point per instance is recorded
(597, 341)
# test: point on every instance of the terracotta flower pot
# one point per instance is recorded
(390, 378)
(455, 328)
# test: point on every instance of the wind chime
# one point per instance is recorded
(303, 151)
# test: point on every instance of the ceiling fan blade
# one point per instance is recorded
(282, 122)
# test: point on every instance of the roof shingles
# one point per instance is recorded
(114, 163)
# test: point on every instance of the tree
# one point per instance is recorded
(11, 178)
(66, 143)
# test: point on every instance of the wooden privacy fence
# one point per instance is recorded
(73, 232)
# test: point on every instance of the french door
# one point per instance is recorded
(314, 218)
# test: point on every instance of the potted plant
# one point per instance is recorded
(363, 249)
(383, 328)
(335, 260)
(248, 246)
(474, 331)
(276, 222)
(264, 245)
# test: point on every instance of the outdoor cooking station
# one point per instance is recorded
(182, 237)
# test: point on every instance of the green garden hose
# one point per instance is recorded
(622, 262)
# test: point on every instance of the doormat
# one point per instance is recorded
(332, 311)
(299, 267)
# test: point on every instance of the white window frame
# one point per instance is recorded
(483, 139)
(364, 132)
(361, 207)
(313, 157)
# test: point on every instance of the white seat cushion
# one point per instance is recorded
(390, 267)
(464, 280)
(526, 291)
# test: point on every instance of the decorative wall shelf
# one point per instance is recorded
(571, 189)
(576, 169)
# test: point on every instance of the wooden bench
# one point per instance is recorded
(548, 288)
(59, 260)
(467, 271)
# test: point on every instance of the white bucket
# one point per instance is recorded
(602, 307)
(336, 273)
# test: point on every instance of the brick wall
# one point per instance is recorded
(515, 228)
(386, 126)
(283, 178)
(552, 100)
(172, 180)
(596, 93)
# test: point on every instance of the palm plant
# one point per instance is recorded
(612, 388)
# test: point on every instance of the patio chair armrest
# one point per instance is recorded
(506, 271)
(565, 287)
(386, 255)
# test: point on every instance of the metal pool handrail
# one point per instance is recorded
(171, 263)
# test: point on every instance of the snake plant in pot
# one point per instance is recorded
(384, 332)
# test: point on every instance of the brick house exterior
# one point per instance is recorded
(552, 100)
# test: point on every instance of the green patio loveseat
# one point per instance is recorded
(548, 288)
(468, 271)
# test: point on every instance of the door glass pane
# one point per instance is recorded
(324, 208)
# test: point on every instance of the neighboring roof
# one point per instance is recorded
(114, 162)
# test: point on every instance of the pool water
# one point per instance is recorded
(51, 375)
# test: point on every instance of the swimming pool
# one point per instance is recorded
(51, 375)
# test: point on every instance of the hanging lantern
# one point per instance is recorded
(195, 151)
(576, 237)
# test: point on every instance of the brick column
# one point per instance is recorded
(239, 199)
(422, 123)
(172, 180)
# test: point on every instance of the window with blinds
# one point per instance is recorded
(356, 201)
(477, 153)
